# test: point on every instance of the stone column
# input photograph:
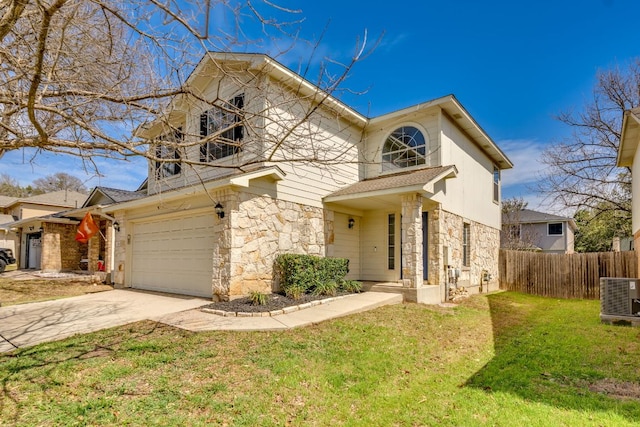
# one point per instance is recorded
(412, 241)
(225, 251)
(436, 255)
(122, 240)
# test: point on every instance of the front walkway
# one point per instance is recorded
(196, 320)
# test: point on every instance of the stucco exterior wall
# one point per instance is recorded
(470, 194)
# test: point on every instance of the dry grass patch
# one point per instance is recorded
(24, 291)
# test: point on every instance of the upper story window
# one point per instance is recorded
(554, 229)
(405, 147)
(165, 169)
(496, 184)
(226, 124)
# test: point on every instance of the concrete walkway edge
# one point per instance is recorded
(30, 324)
(196, 320)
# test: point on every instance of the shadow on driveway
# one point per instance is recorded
(30, 324)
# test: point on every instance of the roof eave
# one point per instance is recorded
(242, 180)
(629, 138)
(424, 189)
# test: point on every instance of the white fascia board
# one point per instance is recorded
(451, 172)
(273, 172)
(238, 180)
(279, 70)
(628, 139)
(376, 193)
(169, 196)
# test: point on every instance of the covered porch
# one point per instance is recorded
(394, 241)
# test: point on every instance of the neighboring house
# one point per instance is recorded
(527, 229)
(27, 228)
(629, 156)
(416, 191)
(51, 238)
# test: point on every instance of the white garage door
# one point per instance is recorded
(174, 255)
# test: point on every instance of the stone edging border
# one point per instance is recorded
(273, 313)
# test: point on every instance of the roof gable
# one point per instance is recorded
(458, 115)
(108, 196)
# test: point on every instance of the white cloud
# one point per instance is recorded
(526, 156)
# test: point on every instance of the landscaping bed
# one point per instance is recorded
(274, 304)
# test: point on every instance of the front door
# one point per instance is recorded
(34, 250)
(425, 246)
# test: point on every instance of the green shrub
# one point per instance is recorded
(300, 274)
(329, 288)
(352, 286)
(258, 298)
(294, 292)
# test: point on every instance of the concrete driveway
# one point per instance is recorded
(29, 324)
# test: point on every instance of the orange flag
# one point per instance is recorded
(86, 229)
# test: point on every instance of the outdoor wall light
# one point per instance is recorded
(351, 222)
(116, 226)
(219, 210)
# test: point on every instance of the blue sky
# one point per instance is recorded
(513, 65)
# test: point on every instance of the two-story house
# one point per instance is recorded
(527, 229)
(407, 197)
(628, 156)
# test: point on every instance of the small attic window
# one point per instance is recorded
(405, 147)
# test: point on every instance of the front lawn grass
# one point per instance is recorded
(502, 360)
(14, 291)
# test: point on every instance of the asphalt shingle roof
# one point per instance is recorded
(528, 215)
(396, 180)
(65, 198)
(7, 200)
(119, 196)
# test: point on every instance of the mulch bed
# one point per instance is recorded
(274, 302)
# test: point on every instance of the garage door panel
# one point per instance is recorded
(175, 254)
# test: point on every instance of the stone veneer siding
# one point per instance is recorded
(412, 269)
(445, 231)
(259, 229)
(120, 250)
(60, 251)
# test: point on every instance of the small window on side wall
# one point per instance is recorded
(466, 244)
(496, 184)
(555, 229)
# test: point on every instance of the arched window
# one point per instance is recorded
(405, 147)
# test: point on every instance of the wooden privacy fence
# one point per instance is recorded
(563, 276)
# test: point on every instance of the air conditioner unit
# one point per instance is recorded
(619, 296)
